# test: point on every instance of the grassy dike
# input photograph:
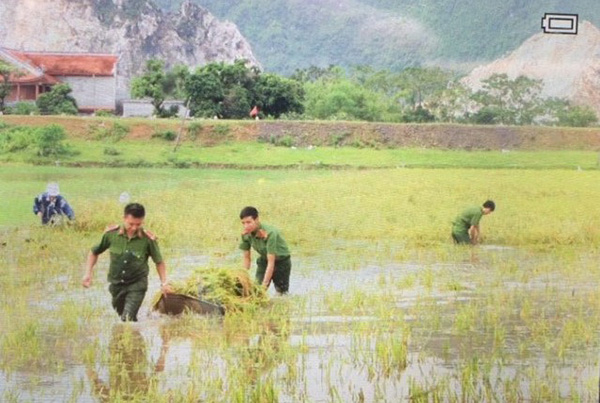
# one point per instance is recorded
(104, 142)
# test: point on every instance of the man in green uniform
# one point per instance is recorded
(465, 227)
(130, 245)
(274, 261)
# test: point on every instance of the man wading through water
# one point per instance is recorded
(465, 227)
(274, 261)
(130, 246)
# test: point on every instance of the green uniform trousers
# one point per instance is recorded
(281, 273)
(461, 237)
(127, 298)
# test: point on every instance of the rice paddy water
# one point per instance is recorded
(382, 307)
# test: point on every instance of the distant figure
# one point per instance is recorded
(465, 227)
(254, 113)
(50, 206)
(130, 246)
(274, 261)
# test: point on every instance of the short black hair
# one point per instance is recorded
(490, 204)
(135, 210)
(249, 211)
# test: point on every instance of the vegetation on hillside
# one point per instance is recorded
(287, 34)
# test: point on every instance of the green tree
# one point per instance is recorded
(174, 82)
(236, 102)
(577, 116)
(451, 104)
(347, 100)
(158, 84)
(57, 101)
(151, 84)
(421, 83)
(220, 89)
(206, 93)
(314, 73)
(509, 102)
(277, 95)
(6, 70)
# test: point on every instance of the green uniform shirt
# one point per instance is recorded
(128, 257)
(273, 245)
(467, 218)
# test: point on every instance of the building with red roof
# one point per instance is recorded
(92, 76)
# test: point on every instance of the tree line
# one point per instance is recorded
(413, 95)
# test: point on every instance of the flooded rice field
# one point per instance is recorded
(382, 307)
(498, 324)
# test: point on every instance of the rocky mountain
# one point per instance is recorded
(387, 34)
(136, 30)
(568, 65)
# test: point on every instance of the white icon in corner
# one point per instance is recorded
(560, 23)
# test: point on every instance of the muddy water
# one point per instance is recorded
(329, 348)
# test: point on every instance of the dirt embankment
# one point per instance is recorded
(357, 134)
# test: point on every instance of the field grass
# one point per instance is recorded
(157, 153)
(383, 307)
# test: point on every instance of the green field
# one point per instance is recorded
(156, 153)
(382, 306)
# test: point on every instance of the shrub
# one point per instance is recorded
(169, 113)
(49, 141)
(16, 139)
(46, 141)
(337, 139)
(57, 101)
(104, 114)
(194, 129)
(577, 116)
(111, 151)
(284, 141)
(22, 108)
(115, 133)
(221, 130)
(168, 135)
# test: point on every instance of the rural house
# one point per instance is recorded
(92, 76)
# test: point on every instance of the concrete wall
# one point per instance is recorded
(182, 109)
(137, 107)
(92, 92)
(144, 108)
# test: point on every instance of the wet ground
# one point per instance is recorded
(374, 331)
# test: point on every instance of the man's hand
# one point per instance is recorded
(86, 281)
(166, 288)
(266, 285)
(40, 214)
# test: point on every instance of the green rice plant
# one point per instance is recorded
(391, 352)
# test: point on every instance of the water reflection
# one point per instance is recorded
(130, 372)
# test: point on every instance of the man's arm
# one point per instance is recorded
(474, 234)
(247, 259)
(67, 210)
(37, 207)
(165, 288)
(91, 262)
(269, 271)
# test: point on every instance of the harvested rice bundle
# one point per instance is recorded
(232, 289)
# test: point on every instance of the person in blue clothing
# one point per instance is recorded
(50, 206)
